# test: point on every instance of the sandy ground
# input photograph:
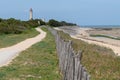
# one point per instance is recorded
(106, 31)
(83, 34)
(9, 53)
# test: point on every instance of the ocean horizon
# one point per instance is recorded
(100, 26)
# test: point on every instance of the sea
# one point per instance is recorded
(100, 26)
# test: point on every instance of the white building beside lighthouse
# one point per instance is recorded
(31, 14)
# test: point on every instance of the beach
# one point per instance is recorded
(109, 40)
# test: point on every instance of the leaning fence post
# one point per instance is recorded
(88, 77)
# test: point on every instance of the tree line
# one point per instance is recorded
(56, 23)
(14, 26)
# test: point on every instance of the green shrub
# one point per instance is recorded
(13, 26)
(55, 23)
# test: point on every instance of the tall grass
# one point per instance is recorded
(39, 62)
(11, 39)
(100, 62)
(99, 35)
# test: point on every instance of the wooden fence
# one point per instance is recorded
(69, 61)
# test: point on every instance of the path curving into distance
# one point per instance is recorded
(9, 53)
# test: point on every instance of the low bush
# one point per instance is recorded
(13, 26)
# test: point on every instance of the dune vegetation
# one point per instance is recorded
(100, 35)
(100, 62)
(39, 62)
(12, 39)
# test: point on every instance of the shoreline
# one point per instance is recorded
(84, 35)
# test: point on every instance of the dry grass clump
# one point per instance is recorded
(100, 62)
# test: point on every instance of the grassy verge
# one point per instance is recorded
(99, 35)
(99, 61)
(36, 63)
(11, 39)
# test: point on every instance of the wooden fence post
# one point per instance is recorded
(69, 62)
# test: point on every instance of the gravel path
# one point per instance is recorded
(9, 53)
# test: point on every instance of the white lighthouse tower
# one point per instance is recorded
(31, 14)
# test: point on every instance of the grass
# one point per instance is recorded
(99, 35)
(11, 39)
(99, 61)
(39, 62)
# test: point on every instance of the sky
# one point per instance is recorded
(82, 12)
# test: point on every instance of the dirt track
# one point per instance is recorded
(9, 53)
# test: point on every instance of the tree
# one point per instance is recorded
(54, 23)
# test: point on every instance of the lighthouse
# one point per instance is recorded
(31, 14)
